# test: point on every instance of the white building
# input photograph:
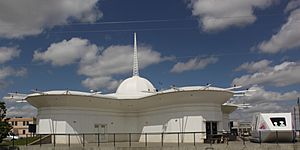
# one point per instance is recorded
(136, 107)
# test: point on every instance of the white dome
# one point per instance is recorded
(135, 86)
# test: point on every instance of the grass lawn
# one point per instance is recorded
(21, 141)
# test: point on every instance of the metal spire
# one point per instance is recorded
(135, 58)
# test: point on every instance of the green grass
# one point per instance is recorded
(21, 141)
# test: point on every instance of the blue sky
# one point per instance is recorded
(87, 44)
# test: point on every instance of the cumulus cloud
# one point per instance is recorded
(293, 4)
(216, 15)
(6, 72)
(118, 59)
(288, 37)
(9, 71)
(263, 101)
(15, 109)
(252, 67)
(193, 64)
(8, 53)
(260, 95)
(31, 17)
(98, 64)
(286, 73)
(67, 52)
(101, 82)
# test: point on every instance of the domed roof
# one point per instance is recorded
(135, 86)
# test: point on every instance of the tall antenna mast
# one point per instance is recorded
(135, 58)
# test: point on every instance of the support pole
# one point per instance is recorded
(129, 139)
(114, 139)
(54, 140)
(146, 140)
(98, 137)
(276, 137)
(69, 140)
(26, 141)
(40, 137)
(13, 140)
(162, 139)
(259, 132)
(178, 139)
(194, 139)
(83, 140)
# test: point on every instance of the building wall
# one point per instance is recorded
(20, 125)
(175, 118)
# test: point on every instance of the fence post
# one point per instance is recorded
(178, 139)
(194, 139)
(210, 137)
(13, 139)
(129, 139)
(83, 140)
(276, 137)
(26, 141)
(259, 133)
(114, 139)
(162, 139)
(98, 137)
(294, 137)
(54, 140)
(146, 139)
(40, 136)
(69, 140)
(227, 141)
(243, 137)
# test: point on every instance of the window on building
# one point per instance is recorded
(24, 132)
(278, 121)
(24, 123)
(16, 123)
(27, 123)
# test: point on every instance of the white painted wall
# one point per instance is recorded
(175, 118)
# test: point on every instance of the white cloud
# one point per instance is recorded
(288, 37)
(286, 73)
(260, 95)
(254, 66)
(263, 101)
(31, 17)
(215, 15)
(67, 52)
(15, 109)
(8, 53)
(118, 59)
(193, 64)
(9, 71)
(293, 4)
(6, 72)
(99, 65)
(101, 82)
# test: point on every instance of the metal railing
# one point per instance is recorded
(146, 139)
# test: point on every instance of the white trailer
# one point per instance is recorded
(272, 127)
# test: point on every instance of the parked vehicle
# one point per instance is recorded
(272, 127)
(11, 136)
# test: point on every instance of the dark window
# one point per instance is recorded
(278, 122)
(27, 123)
(24, 131)
(24, 123)
(16, 123)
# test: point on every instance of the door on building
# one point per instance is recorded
(102, 129)
(211, 127)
